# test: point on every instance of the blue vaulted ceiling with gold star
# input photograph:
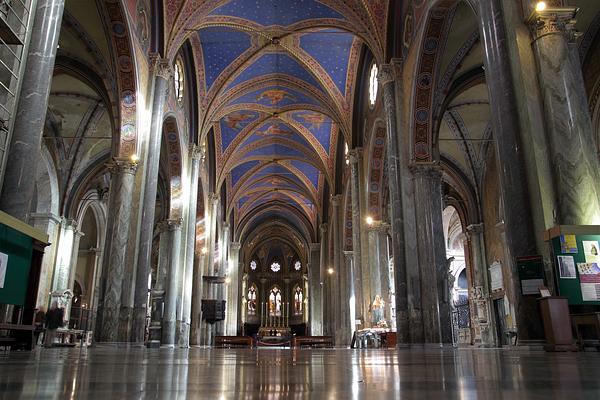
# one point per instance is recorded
(276, 87)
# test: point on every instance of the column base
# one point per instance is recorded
(184, 334)
(168, 333)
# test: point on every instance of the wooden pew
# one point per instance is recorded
(580, 320)
(22, 334)
(312, 341)
(233, 341)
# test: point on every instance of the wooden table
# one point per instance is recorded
(21, 333)
(579, 320)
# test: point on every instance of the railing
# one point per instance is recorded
(16, 18)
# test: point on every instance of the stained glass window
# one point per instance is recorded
(178, 80)
(298, 300)
(275, 304)
(373, 85)
(298, 265)
(252, 300)
(275, 267)
(253, 265)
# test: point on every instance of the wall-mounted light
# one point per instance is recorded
(369, 220)
(330, 271)
(228, 280)
(135, 158)
(204, 250)
(540, 6)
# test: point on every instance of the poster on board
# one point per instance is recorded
(590, 249)
(566, 267)
(589, 278)
(3, 266)
(568, 244)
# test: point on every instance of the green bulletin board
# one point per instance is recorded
(19, 248)
(569, 286)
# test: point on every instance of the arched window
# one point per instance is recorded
(275, 266)
(373, 85)
(252, 300)
(298, 265)
(253, 265)
(275, 303)
(298, 300)
(178, 80)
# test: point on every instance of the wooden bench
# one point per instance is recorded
(233, 341)
(579, 320)
(21, 334)
(312, 341)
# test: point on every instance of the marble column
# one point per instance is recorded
(350, 304)
(30, 115)
(170, 313)
(479, 292)
(196, 320)
(378, 266)
(575, 164)
(188, 281)
(162, 78)
(119, 220)
(395, 161)
(233, 295)
(213, 201)
(437, 326)
(62, 267)
(158, 291)
(221, 289)
(520, 235)
(361, 279)
(315, 289)
(337, 283)
(48, 223)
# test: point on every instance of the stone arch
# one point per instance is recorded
(123, 53)
(376, 170)
(175, 164)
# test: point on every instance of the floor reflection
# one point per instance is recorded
(107, 373)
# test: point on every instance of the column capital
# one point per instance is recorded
(162, 226)
(354, 155)
(315, 246)
(554, 20)
(323, 228)
(196, 152)
(225, 225)
(335, 200)
(49, 217)
(213, 198)
(432, 169)
(161, 66)
(348, 253)
(174, 224)
(235, 246)
(387, 74)
(379, 226)
(474, 229)
(122, 166)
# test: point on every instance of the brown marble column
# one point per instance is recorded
(576, 167)
(437, 326)
(117, 240)
(520, 235)
(395, 162)
(337, 283)
(30, 115)
(361, 278)
(162, 71)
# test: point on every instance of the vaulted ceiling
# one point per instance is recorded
(276, 87)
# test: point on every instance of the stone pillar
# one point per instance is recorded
(315, 288)
(437, 326)
(213, 199)
(520, 235)
(233, 297)
(337, 283)
(361, 279)
(48, 223)
(378, 266)
(162, 79)
(196, 321)
(570, 133)
(479, 293)
(395, 161)
(221, 289)
(170, 313)
(30, 116)
(188, 281)
(62, 268)
(350, 304)
(119, 219)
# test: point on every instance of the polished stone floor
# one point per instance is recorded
(111, 373)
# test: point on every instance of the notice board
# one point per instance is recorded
(16, 249)
(576, 261)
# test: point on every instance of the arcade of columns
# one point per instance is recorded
(336, 300)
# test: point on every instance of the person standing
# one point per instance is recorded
(54, 320)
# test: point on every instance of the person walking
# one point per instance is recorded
(54, 320)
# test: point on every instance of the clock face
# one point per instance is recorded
(253, 265)
(275, 267)
(297, 265)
